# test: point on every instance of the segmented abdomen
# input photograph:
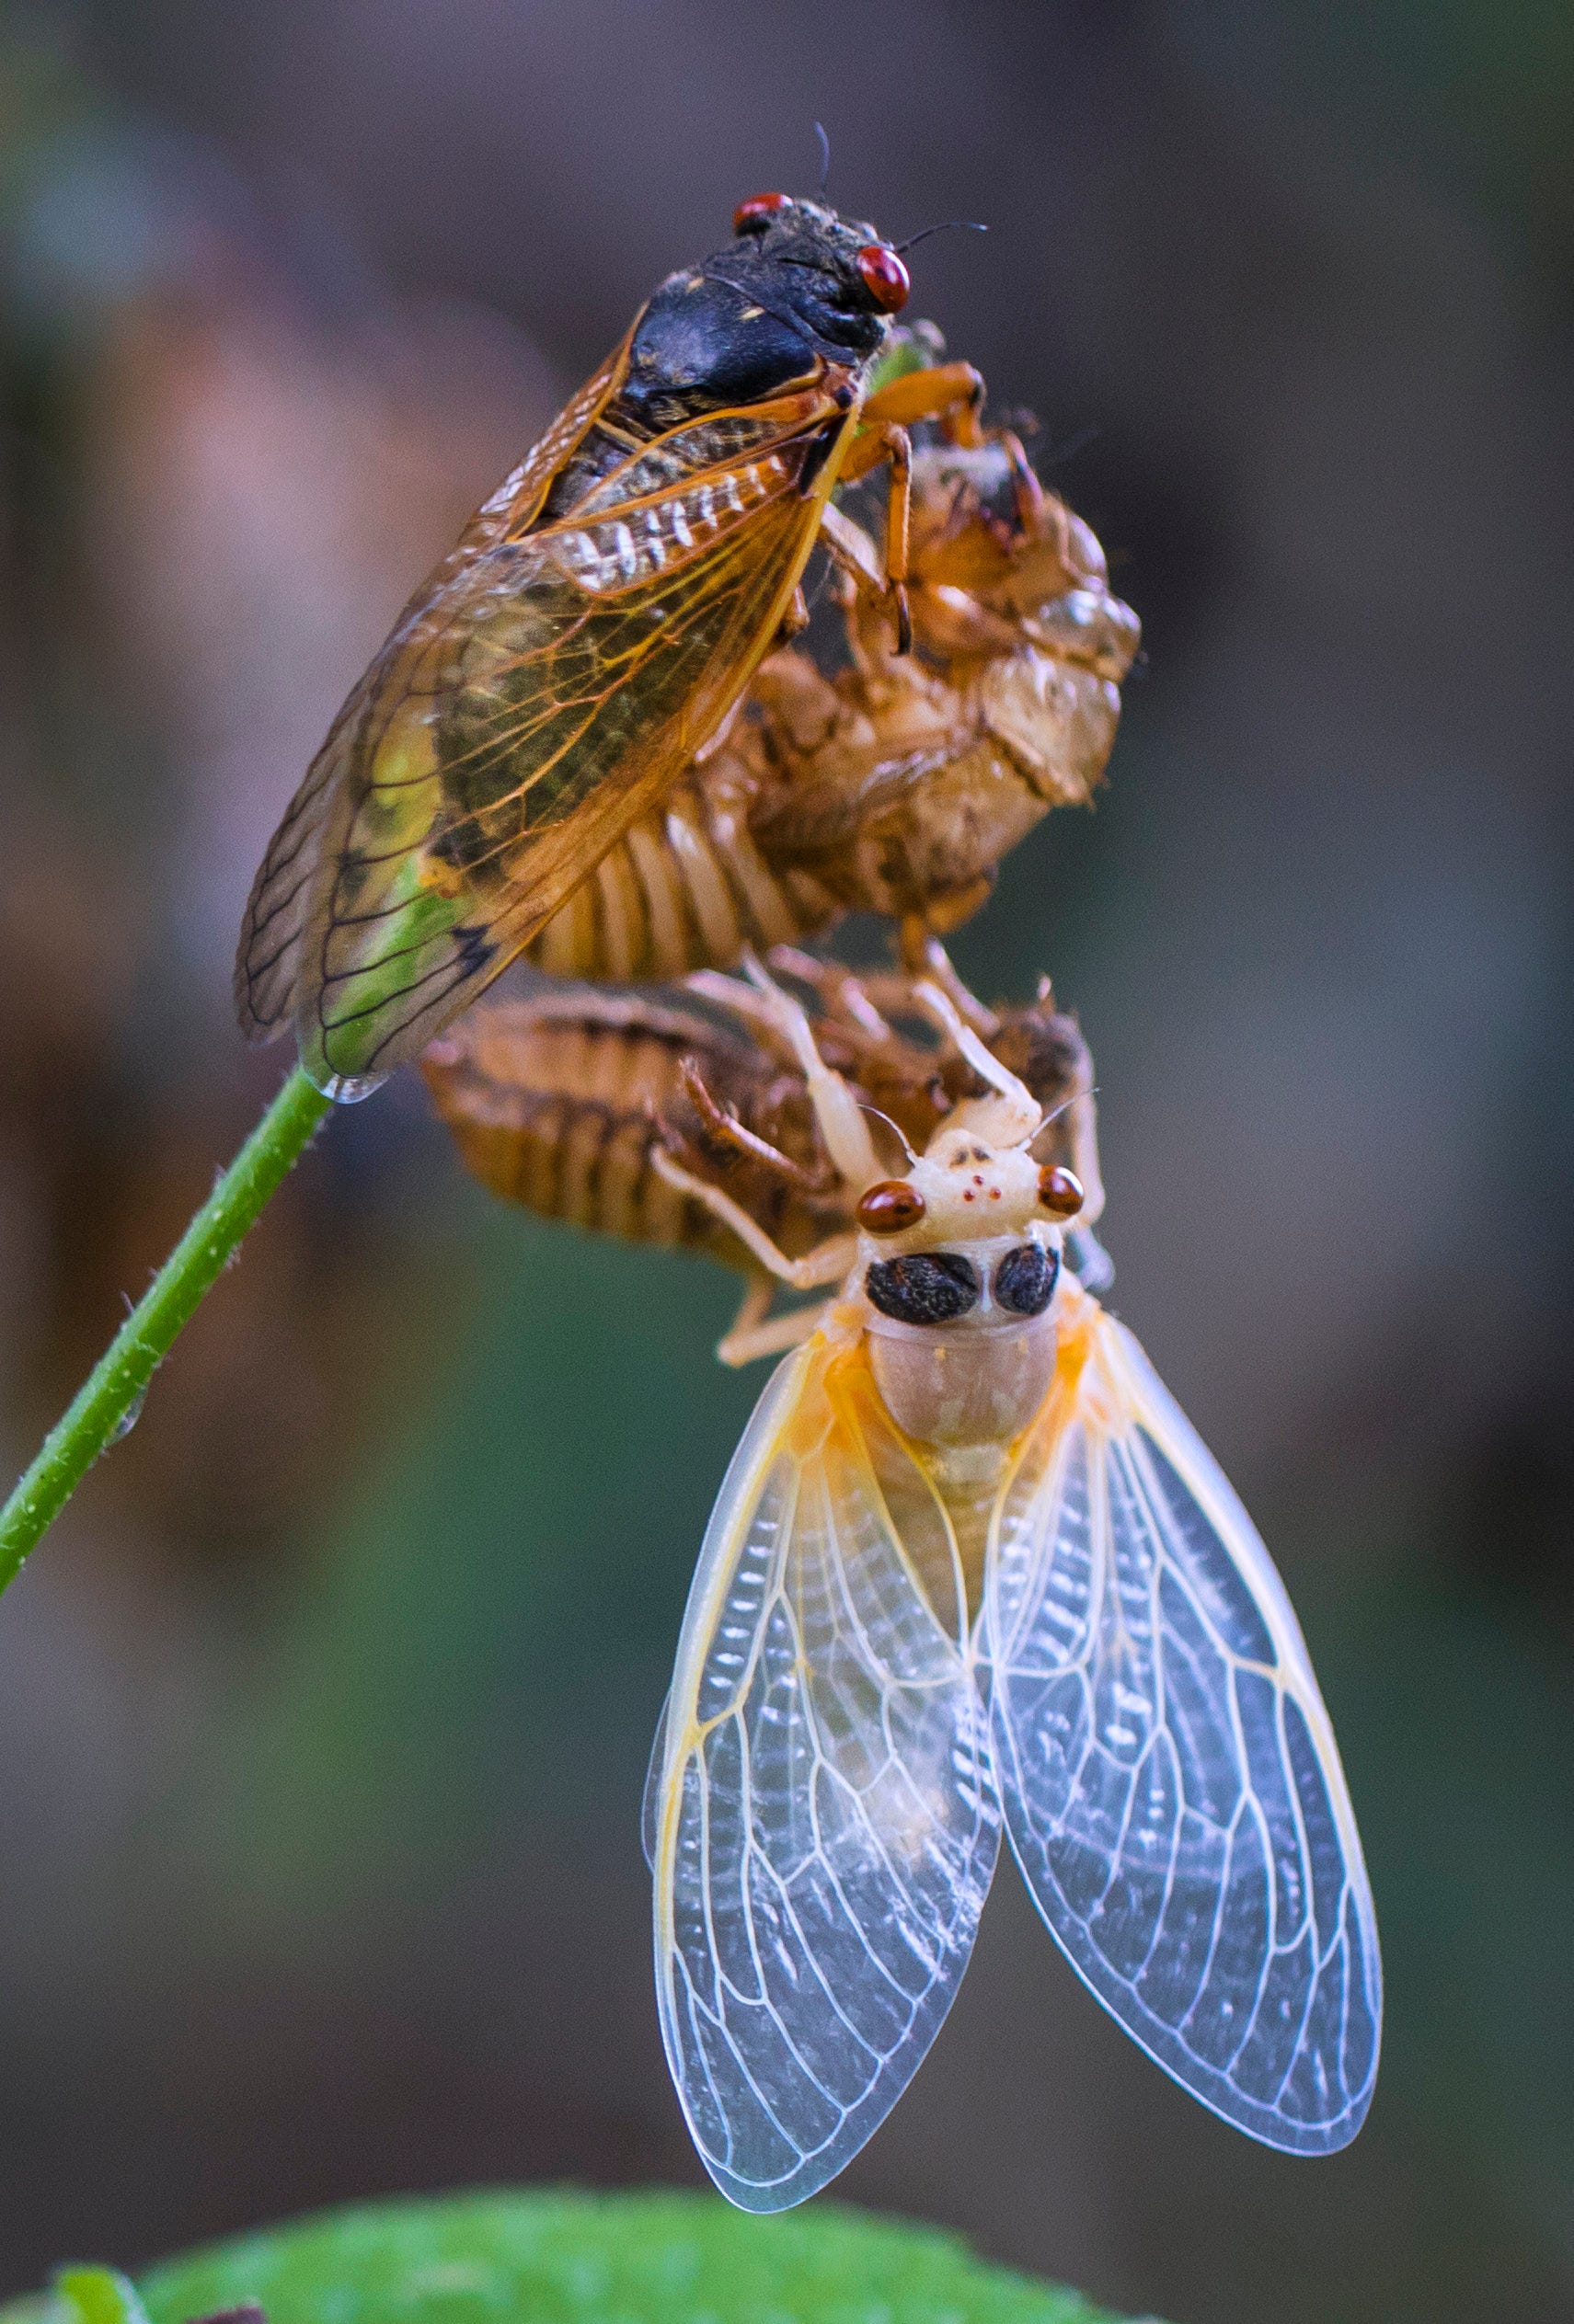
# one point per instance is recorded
(687, 889)
(555, 1102)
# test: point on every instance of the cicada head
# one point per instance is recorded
(963, 1190)
(959, 1265)
(959, 1304)
(834, 279)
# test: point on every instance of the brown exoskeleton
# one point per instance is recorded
(898, 784)
(583, 1105)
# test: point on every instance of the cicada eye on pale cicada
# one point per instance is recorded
(972, 1566)
(592, 631)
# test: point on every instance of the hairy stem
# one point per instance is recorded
(111, 1396)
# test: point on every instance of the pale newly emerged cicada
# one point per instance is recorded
(590, 634)
(971, 1566)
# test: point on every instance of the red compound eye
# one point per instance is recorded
(756, 214)
(885, 277)
(1060, 1191)
(890, 1207)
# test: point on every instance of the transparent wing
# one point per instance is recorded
(651, 1805)
(1170, 1776)
(825, 1824)
(268, 957)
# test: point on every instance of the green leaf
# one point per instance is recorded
(498, 2258)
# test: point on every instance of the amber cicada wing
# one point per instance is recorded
(270, 954)
(1170, 1779)
(821, 1817)
(555, 684)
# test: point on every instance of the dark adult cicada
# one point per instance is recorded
(588, 637)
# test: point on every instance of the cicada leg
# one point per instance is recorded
(854, 553)
(950, 393)
(923, 956)
(728, 1131)
(1027, 491)
(841, 993)
(815, 1273)
(756, 1332)
(795, 621)
(1014, 1112)
(898, 448)
(763, 1004)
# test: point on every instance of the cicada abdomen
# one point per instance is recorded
(557, 1101)
(688, 887)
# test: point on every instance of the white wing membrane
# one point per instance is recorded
(1170, 1776)
(825, 1825)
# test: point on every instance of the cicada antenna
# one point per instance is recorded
(824, 157)
(947, 225)
(1091, 1090)
(864, 1107)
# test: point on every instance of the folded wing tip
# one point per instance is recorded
(256, 1031)
(764, 2199)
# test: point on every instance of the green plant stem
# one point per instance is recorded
(112, 1394)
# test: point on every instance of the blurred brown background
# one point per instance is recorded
(323, 1714)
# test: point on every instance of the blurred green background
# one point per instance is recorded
(323, 1714)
